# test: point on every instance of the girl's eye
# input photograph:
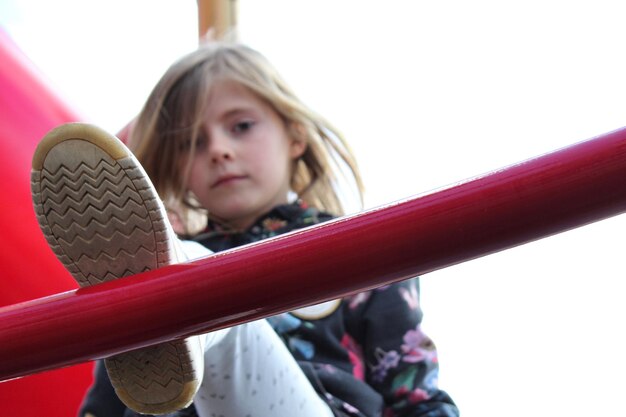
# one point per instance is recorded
(243, 126)
(201, 143)
(185, 145)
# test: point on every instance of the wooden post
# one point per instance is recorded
(218, 16)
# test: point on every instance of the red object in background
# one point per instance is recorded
(29, 109)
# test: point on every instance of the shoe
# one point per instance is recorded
(104, 220)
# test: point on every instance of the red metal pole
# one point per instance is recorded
(534, 199)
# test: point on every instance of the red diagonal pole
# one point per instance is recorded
(534, 199)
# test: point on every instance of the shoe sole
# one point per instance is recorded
(103, 219)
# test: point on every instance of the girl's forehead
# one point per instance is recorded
(229, 95)
(228, 88)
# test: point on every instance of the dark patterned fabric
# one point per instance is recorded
(281, 219)
(366, 355)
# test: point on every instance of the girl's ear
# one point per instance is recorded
(298, 143)
(297, 148)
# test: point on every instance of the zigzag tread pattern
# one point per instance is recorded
(135, 261)
(50, 237)
(154, 373)
(119, 193)
(77, 225)
(153, 204)
(104, 223)
(84, 213)
(94, 226)
(60, 177)
(115, 243)
(93, 279)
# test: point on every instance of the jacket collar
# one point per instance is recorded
(279, 220)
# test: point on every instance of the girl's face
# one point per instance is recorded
(242, 165)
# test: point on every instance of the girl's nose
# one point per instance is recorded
(221, 156)
(220, 150)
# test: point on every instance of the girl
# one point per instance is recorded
(236, 158)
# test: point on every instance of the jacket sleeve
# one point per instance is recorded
(400, 360)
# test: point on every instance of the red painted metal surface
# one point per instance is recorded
(29, 108)
(534, 199)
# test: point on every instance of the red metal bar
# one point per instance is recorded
(534, 199)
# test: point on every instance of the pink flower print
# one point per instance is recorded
(414, 397)
(358, 299)
(349, 408)
(400, 392)
(386, 361)
(355, 353)
(273, 224)
(417, 347)
(418, 395)
(410, 296)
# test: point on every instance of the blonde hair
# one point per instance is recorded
(173, 115)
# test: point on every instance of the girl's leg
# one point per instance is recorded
(103, 220)
(249, 372)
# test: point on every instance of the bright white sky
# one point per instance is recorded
(428, 93)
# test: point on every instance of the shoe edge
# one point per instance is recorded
(91, 133)
(117, 150)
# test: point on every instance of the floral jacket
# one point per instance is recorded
(366, 354)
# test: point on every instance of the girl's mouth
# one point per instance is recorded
(227, 179)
